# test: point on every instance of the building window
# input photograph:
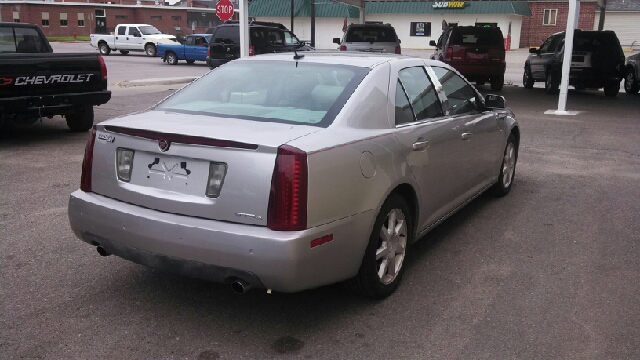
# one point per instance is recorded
(157, 17)
(177, 18)
(16, 16)
(550, 16)
(80, 19)
(45, 19)
(63, 19)
(121, 17)
(420, 29)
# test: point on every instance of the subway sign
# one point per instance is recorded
(448, 4)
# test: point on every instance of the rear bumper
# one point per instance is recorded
(221, 251)
(474, 70)
(52, 104)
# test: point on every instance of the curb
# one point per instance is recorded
(157, 81)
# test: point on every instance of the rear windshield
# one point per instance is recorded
(371, 34)
(477, 36)
(273, 91)
(592, 41)
(26, 40)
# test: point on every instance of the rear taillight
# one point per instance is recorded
(448, 54)
(496, 55)
(289, 184)
(103, 68)
(343, 47)
(87, 163)
(124, 163)
(398, 50)
(252, 50)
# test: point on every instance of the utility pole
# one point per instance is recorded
(603, 6)
(293, 4)
(313, 23)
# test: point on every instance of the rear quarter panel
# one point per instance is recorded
(178, 49)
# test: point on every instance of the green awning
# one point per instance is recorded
(470, 7)
(282, 8)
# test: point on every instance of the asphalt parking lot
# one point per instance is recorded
(550, 271)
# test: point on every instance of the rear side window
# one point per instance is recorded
(122, 30)
(461, 96)
(404, 113)
(267, 37)
(275, 91)
(421, 93)
(477, 36)
(371, 34)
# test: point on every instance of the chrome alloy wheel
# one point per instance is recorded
(629, 81)
(393, 243)
(508, 164)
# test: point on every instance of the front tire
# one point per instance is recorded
(527, 78)
(631, 83)
(497, 82)
(612, 89)
(507, 169)
(551, 83)
(80, 120)
(172, 59)
(150, 49)
(104, 49)
(381, 269)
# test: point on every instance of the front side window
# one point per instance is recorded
(133, 31)
(546, 44)
(550, 16)
(290, 92)
(421, 92)
(267, 37)
(462, 98)
(290, 39)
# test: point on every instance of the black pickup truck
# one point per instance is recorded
(35, 83)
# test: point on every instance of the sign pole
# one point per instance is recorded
(566, 60)
(244, 28)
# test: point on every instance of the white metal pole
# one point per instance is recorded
(243, 18)
(568, 51)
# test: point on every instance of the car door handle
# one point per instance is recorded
(127, 38)
(466, 136)
(420, 144)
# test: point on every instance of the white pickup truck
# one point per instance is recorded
(132, 37)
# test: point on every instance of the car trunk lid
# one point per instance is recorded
(171, 163)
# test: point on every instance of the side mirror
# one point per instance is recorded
(336, 41)
(495, 102)
(432, 43)
(534, 51)
(399, 41)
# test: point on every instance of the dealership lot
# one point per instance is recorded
(549, 271)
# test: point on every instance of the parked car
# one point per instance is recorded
(597, 62)
(225, 42)
(35, 83)
(132, 37)
(196, 47)
(377, 38)
(476, 52)
(291, 172)
(631, 85)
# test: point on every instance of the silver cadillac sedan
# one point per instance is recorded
(287, 172)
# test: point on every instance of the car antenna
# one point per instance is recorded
(296, 56)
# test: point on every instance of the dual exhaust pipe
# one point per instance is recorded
(239, 286)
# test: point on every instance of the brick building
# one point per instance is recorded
(550, 17)
(84, 18)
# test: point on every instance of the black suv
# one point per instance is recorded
(597, 62)
(225, 42)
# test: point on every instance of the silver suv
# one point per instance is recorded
(380, 38)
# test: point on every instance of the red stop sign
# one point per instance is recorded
(224, 10)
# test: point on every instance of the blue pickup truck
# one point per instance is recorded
(194, 48)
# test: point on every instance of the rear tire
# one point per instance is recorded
(527, 78)
(104, 49)
(507, 168)
(551, 83)
(81, 120)
(150, 49)
(497, 82)
(612, 89)
(124, 52)
(631, 83)
(381, 269)
(172, 59)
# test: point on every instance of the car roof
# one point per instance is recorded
(14, 24)
(367, 60)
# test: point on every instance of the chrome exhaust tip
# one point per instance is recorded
(240, 286)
